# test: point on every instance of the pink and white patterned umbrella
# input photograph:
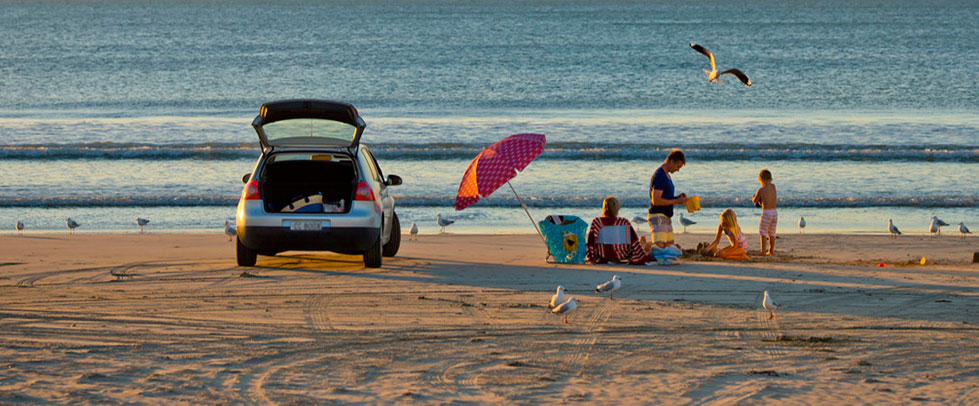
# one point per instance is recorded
(496, 165)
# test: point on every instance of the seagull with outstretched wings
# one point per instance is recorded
(712, 75)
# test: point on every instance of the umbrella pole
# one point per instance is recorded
(528, 214)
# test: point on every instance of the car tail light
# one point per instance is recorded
(364, 192)
(251, 191)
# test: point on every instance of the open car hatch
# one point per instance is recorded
(308, 123)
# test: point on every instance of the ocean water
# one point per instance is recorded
(863, 111)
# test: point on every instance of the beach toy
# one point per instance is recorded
(922, 260)
(693, 204)
(881, 265)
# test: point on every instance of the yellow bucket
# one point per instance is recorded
(693, 204)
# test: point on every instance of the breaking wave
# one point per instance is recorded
(554, 151)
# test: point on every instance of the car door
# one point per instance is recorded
(387, 201)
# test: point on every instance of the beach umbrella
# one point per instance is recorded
(496, 165)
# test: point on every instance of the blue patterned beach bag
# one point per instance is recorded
(565, 237)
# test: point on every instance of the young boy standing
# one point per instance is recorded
(765, 198)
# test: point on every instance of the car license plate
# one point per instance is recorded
(306, 225)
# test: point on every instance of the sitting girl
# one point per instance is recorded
(738, 250)
(612, 239)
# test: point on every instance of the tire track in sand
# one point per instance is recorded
(583, 346)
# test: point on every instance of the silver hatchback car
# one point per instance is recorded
(315, 187)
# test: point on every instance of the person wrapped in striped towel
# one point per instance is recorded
(612, 239)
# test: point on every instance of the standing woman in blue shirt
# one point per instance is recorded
(662, 198)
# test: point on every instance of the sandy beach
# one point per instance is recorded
(462, 319)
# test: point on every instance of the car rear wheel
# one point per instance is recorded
(391, 248)
(372, 257)
(246, 257)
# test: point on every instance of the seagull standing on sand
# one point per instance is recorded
(610, 286)
(962, 229)
(20, 227)
(935, 227)
(769, 304)
(937, 224)
(142, 223)
(442, 222)
(892, 228)
(414, 231)
(686, 222)
(72, 224)
(229, 230)
(558, 298)
(567, 307)
(712, 75)
(802, 224)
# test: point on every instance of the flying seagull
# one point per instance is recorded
(712, 75)
(686, 222)
(769, 304)
(892, 228)
(20, 227)
(442, 222)
(565, 308)
(229, 230)
(962, 229)
(141, 222)
(71, 225)
(610, 286)
(414, 231)
(802, 224)
(558, 297)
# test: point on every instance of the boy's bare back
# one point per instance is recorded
(765, 196)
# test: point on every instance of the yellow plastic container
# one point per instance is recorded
(693, 204)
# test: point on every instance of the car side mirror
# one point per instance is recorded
(246, 178)
(393, 180)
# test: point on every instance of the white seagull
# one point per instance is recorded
(963, 229)
(442, 222)
(769, 304)
(229, 230)
(938, 222)
(141, 222)
(558, 297)
(610, 286)
(686, 222)
(802, 224)
(414, 231)
(934, 228)
(712, 75)
(71, 225)
(892, 228)
(567, 307)
(19, 227)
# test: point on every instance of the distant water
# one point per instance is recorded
(863, 111)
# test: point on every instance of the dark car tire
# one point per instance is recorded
(246, 257)
(372, 257)
(394, 243)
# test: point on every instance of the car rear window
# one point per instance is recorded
(309, 156)
(296, 130)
